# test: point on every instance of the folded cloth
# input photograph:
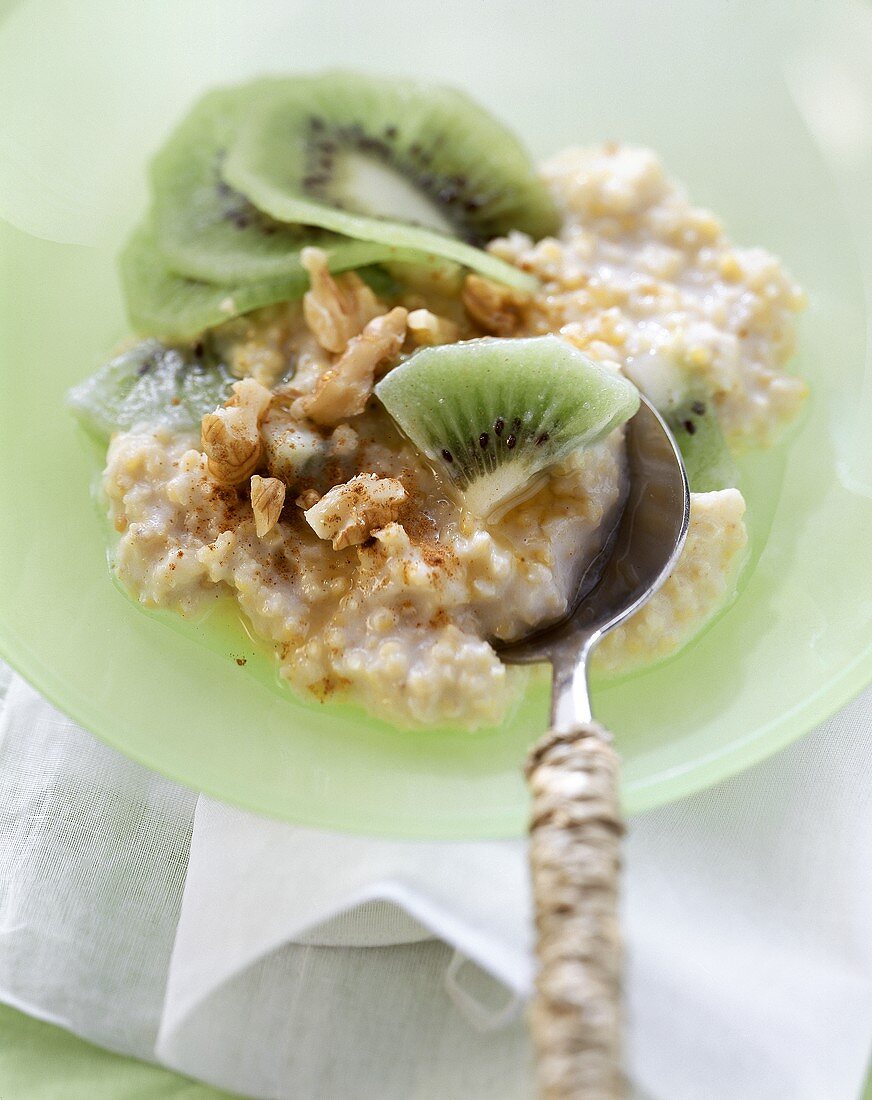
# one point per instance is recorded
(283, 962)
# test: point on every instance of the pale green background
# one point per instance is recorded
(76, 126)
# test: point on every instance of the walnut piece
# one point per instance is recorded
(267, 501)
(343, 389)
(349, 513)
(230, 436)
(307, 499)
(495, 308)
(426, 329)
(336, 309)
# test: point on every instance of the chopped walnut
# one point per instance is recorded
(343, 389)
(349, 513)
(426, 328)
(267, 500)
(230, 436)
(307, 499)
(344, 440)
(336, 309)
(496, 308)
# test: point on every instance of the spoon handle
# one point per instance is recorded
(575, 840)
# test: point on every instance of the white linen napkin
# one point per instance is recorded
(748, 911)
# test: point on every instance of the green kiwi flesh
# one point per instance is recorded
(161, 303)
(394, 161)
(687, 407)
(493, 415)
(152, 384)
(707, 458)
(207, 231)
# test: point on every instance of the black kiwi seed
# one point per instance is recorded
(543, 438)
(511, 441)
(698, 407)
(447, 455)
(516, 423)
(483, 440)
(238, 210)
(689, 427)
(447, 191)
(499, 424)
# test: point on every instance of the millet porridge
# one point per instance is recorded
(365, 575)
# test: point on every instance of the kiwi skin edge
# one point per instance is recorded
(178, 310)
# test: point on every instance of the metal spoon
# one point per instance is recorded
(573, 773)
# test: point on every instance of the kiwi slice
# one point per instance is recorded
(205, 230)
(151, 383)
(687, 407)
(161, 303)
(395, 161)
(492, 415)
(707, 458)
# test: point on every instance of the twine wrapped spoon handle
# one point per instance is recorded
(573, 774)
(575, 854)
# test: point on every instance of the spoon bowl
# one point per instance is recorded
(636, 558)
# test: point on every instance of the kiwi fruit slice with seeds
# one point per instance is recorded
(152, 384)
(707, 458)
(161, 303)
(687, 407)
(395, 161)
(493, 415)
(207, 231)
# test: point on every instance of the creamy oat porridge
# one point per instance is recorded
(253, 459)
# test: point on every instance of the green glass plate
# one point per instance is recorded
(87, 90)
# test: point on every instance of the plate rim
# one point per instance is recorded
(638, 796)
